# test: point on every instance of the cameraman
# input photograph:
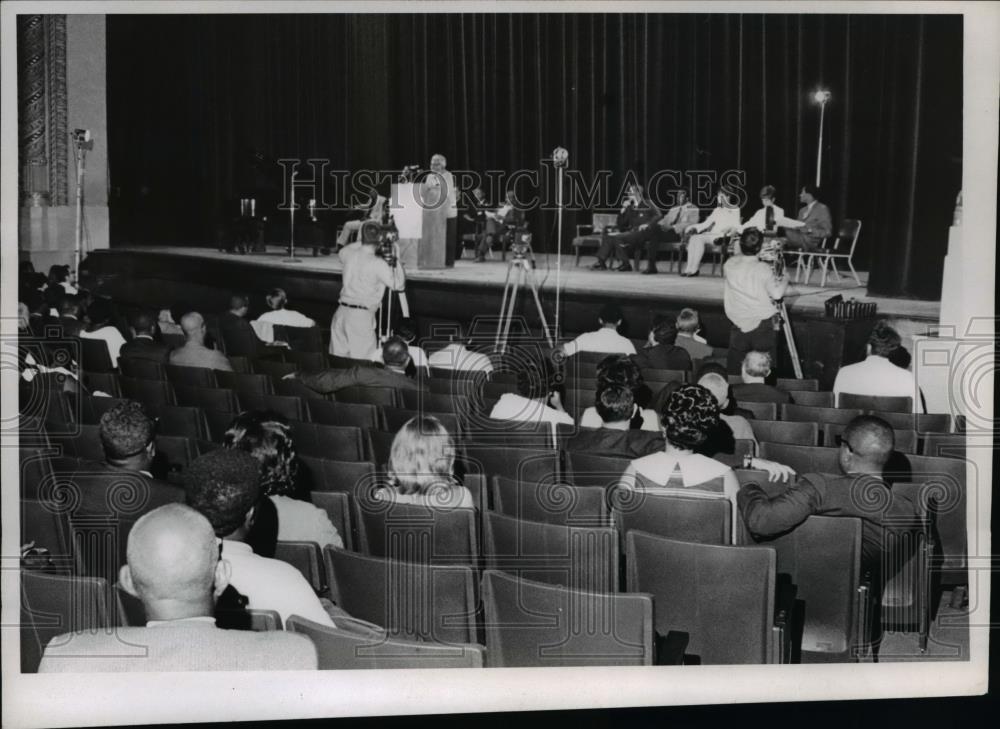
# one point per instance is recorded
(751, 289)
(365, 278)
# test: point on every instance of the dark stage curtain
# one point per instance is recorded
(189, 96)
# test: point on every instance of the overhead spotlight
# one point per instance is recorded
(821, 97)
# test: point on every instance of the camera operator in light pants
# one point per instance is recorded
(751, 288)
(365, 279)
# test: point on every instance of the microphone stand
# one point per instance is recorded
(291, 221)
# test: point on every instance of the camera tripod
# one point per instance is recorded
(520, 271)
(385, 310)
(784, 324)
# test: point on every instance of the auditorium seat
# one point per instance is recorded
(287, 406)
(91, 408)
(142, 369)
(307, 558)
(531, 624)
(241, 365)
(106, 382)
(385, 396)
(207, 398)
(337, 443)
(803, 459)
(872, 402)
(781, 431)
(275, 369)
(905, 440)
(944, 445)
(306, 361)
(411, 601)
(795, 385)
(434, 402)
(43, 527)
(338, 511)
(704, 519)
(812, 399)
(657, 378)
(380, 442)
(587, 469)
(241, 382)
(761, 410)
(417, 533)
(723, 597)
(84, 444)
(551, 502)
(300, 339)
(341, 648)
(176, 452)
(328, 412)
(182, 420)
(325, 474)
(94, 355)
(36, 468)
(807, 414)
(396, 418)
(921, 422)
(151, 393)
(191, 376)
(524, 464)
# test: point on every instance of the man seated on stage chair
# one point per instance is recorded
(661, 351)
(278, 314)
(723, 221)
(474, 217)
(616, 436)
(637, 224)
(173, 567)
(755, 370)
(396, 358)
(769, 217)
(606, 339)
(670, 228)
(374, 210)
(877, 375)
(817, 223)
(498, 223)
(194, 353)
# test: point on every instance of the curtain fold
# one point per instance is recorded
(189, 97)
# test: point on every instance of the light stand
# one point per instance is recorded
(820, 97)
(560, 158)
(82, 141)
(291, 222)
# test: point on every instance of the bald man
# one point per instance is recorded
(175, 570)
(194, 353)
(754, 371)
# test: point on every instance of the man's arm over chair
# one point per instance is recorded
(331, 380)
(766, 516)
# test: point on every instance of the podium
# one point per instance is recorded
(421, 215)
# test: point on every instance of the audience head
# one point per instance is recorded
(69, 305)
(767, 194)
(99, 313)
(239, 304)
(193, 325)
(615, 403)
(883, 341)
(756, 366)
(165, 317)
(619, 369)
(395, 353)
(128, 436)
(688, 321)
(268, 438)
(718, 385)
(865, 445)
(406, 331)
(58, 274)
(689, 415)
(224, 486)
(277, 298)
(610, 316)
(809, 193)
(142, 323)
(173, 564)
(901, 357)
(751, 241)
(422, 456)
(664, 331)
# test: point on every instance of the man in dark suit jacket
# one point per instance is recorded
(396, 358)
(238, 335)
(660, 352)
(818, 223)
(69, 315)
(616, 437)
(756, 369)
(174, 568)
(637, 224)
(142, 345)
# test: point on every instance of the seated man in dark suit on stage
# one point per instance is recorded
(618, 435)
(755, 370)
(817, 222)
(661, 352)
(670, 228)
(396, 358)
(142, 345)
(174, 569)
(507, 217)
(637, 224)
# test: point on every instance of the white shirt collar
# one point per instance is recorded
(198, 619)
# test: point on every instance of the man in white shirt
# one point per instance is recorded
(605, 340)
(748, 298)
(876, 375)
(770, 217)
(540, 400)
(277, 300)
(721, 223)
(365, 278)
(456, 356)
(224, 486)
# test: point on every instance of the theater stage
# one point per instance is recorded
(185, 277)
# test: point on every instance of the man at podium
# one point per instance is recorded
(441, 177)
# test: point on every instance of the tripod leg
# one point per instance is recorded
(509, 315)
(538, 305)
(503, 312)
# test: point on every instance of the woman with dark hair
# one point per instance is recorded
(621, 369)
(267, 437)
(60, 277)
(690, 414)
(421, 467)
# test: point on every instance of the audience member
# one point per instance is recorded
(421, 467)
(457, 356)
(616, 409)
(70, 311)
(99, 315)
(620, 369)
(128, 438)
(396, 357)
(418, 357)
(194, 353)
(661, 352)
(688, 325)
(606, 339)
(539, 401)
(268, 438)
(166, 324)
(61, 276)
(739, 426)
(756, 368)
(877, 375)
(224, 485)
(143, 345)
(278, 314)
(173, 567)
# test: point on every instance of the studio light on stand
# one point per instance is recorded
(560, 158)
(820, 97)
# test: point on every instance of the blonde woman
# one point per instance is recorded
(421, 463)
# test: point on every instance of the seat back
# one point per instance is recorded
(245, 383)
(808, 414)
(207, 398)
(416, 533)
(43, 526)
(307, 558)
(333, 442)
(705, 519)
(142, 369)
(386, 396)
(94, 355)
(275, 369)
(822, 399)
(91, 408)
(761, 410)
(723, 597)
(411, 601)
(85, 444)
(551, 502)
(396, 418)
(944, 445)
(523, 464)
(193, 376)
(306, 361)
(287, 406)
(434, 402)
(343, 649)
(921, 422)
(338, 510)
(604, 220)
(657, 378)
(847, 236)
(874, 402)
(793, 385)
(175, 452)
(302, 339)
(586, 469)
(357, 415)
(804, 459)
(531, 623)
(182, 420)
(780, 431)
(151, 393)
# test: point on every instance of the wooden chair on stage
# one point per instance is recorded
(593, 238)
